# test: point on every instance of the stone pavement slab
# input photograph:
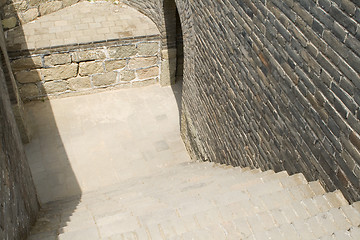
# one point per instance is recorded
(84, 143)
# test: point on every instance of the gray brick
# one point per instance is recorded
(339, 31)
(349, 73)
(344, 20)
(353, 43)
(348, 7)
(325, 4)
(317, 27)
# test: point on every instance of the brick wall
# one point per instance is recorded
(276, 85)
(18, 198)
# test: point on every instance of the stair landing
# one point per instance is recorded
(84, 143)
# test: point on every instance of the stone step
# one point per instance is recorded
(321, 221)
(203, 201)
(208, 208)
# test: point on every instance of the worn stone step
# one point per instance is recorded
(204, 201)
(315, 224)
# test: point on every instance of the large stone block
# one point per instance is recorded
(124, 51)
(29, 15)
(88, 55)
(60, 72)
(57, 59)
(148, 48)
(168, 67)
(49, 7)
(141, 62)
(67, 3)
(26, 63)
(90, 68)
(55, 87)
(127, 75)
(147, 73)
(105, 79)
(145, 82)
(79, 83)
(29, 91)
(115, 65)
(32, 76)
(9, 22)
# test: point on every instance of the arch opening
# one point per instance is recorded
(173, 50)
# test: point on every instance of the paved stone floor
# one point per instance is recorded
(84, 143)
(81, 23)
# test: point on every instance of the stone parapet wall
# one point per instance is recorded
(18, 199)
(87, 67)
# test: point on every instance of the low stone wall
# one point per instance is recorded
(87, 67)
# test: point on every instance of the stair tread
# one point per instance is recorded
(204, 201)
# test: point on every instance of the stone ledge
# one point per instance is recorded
(89, 45)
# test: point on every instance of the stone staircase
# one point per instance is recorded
(203, 201)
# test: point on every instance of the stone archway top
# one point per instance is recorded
(84, 22)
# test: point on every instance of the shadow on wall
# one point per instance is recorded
(175, 49)
(49, 153)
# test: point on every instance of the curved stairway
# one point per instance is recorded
(204, 201)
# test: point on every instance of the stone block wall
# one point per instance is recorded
(87, 68)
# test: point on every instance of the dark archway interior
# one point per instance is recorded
(174, 41)
(179, 50)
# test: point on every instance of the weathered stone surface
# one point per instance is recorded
(148, 49)
(145, 83)
(49, 7)
(2, 3)
(127, 75)
(55, 87)
(89, 55)
(114, 65)
(147, 73)
(105, 79)
(57, 59)
(9, 22)
(89, 68)
(34, 2)
(168, 67)
(29, 15)
(28, 76)
(136, 63)
(29, 91)
(79, 83)
(26, 63)
(60, 72)
(67, 3)
(125, 51)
